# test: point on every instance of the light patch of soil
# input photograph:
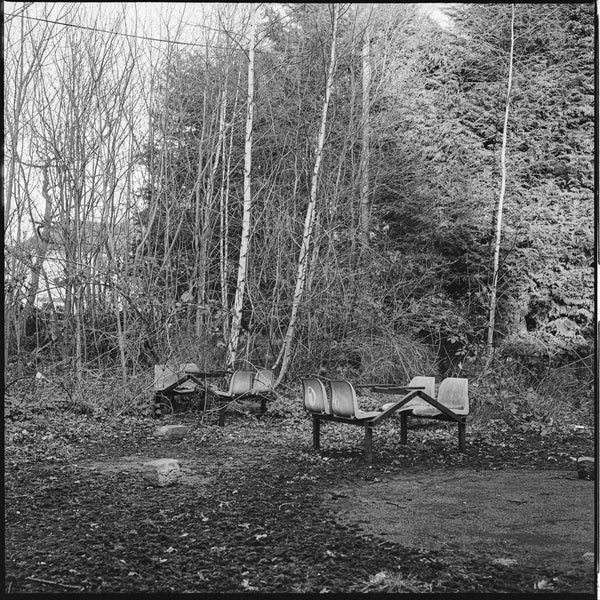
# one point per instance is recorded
(190, 473)
(531, 517)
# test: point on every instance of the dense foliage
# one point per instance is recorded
(436, 119)
(413, 295)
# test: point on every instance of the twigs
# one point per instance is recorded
(79, 588)
(15, 381)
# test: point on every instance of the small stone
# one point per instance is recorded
(172, 432)
(162, 472)
(505, 562)
(589, 556)
(586, 468)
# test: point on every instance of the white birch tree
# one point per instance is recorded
(498, 239)
(236, 321)
(364, 153)
(301, 274)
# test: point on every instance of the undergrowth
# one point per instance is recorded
(527, 400)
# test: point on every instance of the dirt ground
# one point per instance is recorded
(513, 517)
(257, 510)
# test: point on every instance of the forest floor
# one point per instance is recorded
(257, 510)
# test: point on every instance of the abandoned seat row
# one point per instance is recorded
(329, 400)
(417, 399)
(187, 378)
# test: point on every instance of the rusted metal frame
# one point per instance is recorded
(198, 377)
(369, 443)
(374, 420)
(450, 413)
(182, 379)
(368, 424)
(461, 421)
(262, 396)
(221, 413)
(447, 414)
(222, 400)
(387, 386)
(462, 433)
(396, 406)
(225, 399)
(390, 388)
(403, 427)
(349, 420)
(316, 432)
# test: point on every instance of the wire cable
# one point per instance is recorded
(131, 35)
(151, 39)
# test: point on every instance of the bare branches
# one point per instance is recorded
(285, 353)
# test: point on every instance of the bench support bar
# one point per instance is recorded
(316, 432)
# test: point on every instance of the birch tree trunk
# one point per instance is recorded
(494, 291)
(224, 219)
(364, 153)
(198, 248)
(285, 353)
(236, 321)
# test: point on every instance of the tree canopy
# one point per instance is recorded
(409, 295)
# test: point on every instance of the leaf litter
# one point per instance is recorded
(242, 541)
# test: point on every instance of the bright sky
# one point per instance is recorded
(184, 21)
(197, 23)
(435, 10)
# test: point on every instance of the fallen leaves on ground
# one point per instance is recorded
(256, 523)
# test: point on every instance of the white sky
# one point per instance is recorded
(181, 21)
(435, 10)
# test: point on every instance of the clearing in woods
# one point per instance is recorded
(257, 510)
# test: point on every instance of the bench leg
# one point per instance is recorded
(462, 429)
(263, 405)
(221, 421)
(316, 432)
(403, 427)
(368, 444)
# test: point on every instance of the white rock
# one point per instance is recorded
(589, 556)
(172, 432)
(162, 472)
(505, 562)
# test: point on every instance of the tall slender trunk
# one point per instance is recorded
(224, 220)
(236, 321)
(42, 241)
(494, 291)
(364, 152)
(285, 353)
(198, 245)
(207, 221)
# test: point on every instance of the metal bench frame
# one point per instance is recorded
(370, 422)
(447, 414)
(245, 384)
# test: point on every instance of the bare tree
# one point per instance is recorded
(245, 239)
(364, 153)
(27, 48)
(492, 315)
(285, 354)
